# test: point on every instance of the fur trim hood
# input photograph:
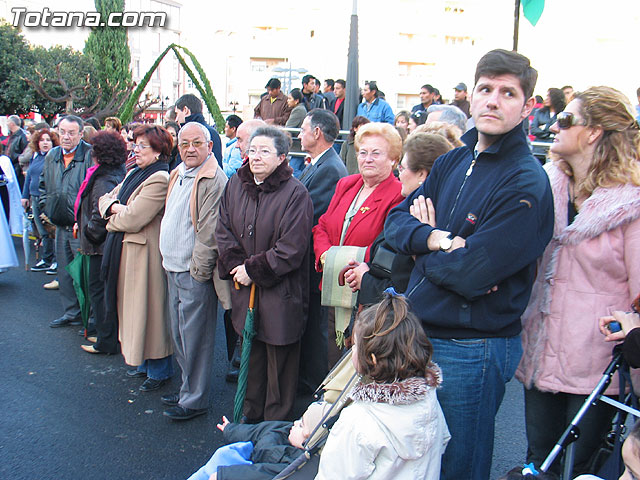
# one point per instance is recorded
(605, 209)
(402, 392)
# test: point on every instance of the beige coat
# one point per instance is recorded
(142, 284)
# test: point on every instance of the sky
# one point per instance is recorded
(578, 42)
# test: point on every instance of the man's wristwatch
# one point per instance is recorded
(446, 243)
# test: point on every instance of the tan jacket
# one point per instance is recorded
(278, 111)
(204, 204)
(142, 285)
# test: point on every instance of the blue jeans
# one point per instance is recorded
(474, 374)
(158, 368)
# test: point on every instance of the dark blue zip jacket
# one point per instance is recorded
(504, 211)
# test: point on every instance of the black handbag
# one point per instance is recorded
(382, 261)
(98, 234)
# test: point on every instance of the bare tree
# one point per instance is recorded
(80, 93)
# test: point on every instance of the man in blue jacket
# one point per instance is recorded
(373, 107)
(476, 227)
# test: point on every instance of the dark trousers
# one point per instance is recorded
(271, 385)
(313, 353)
(547, 415)
(66, 249)
(106, 328)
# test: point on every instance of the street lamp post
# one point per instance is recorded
(286, 71)
(165, 99)
(162, 100)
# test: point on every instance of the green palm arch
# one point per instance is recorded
(202, 85)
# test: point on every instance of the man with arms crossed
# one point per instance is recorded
(477, 226)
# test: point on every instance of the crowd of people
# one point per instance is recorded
(433, 247)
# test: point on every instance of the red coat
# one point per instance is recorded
(366, 224)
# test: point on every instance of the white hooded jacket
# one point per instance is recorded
(391, 431)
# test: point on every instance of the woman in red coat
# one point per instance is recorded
(361, 202)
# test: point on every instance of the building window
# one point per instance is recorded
(258, 66)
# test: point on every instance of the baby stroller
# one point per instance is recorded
(335, 389)
(612, 468)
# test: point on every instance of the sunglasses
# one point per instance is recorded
(566, 120)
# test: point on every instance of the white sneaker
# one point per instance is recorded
(53, 269)
(41, 266)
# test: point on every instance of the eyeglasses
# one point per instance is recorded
(186, 144)
(140, 146)
(401, 168)
(263, 152)
(566, 120)
(69, 133)
(375, 155)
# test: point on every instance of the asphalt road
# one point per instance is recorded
(67, 414)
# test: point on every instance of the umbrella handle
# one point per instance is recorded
(252, 296)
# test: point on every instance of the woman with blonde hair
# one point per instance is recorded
(448, 131)
(587, 270)
(360, 205)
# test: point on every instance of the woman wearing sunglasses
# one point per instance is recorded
(588, 270)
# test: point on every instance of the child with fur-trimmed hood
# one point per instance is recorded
(395, 428)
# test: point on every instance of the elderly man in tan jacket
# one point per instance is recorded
(189, 255)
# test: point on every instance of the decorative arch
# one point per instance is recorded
(202, 85)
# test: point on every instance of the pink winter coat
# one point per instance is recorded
(589, 269)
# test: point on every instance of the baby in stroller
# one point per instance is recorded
(260, 451)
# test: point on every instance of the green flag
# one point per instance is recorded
(532, 10)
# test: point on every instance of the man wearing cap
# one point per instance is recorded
(460, 99)
(273, 107)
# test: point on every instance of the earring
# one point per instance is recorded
(420, 182)
(157, 157)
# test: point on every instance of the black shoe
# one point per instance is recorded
(249, 421)
(232, 374)
(135, 373)
(172, 399)
(41, 266)
(63, 322)
(182, 413)
(53, 269)
(237, 352)
(151, 384)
